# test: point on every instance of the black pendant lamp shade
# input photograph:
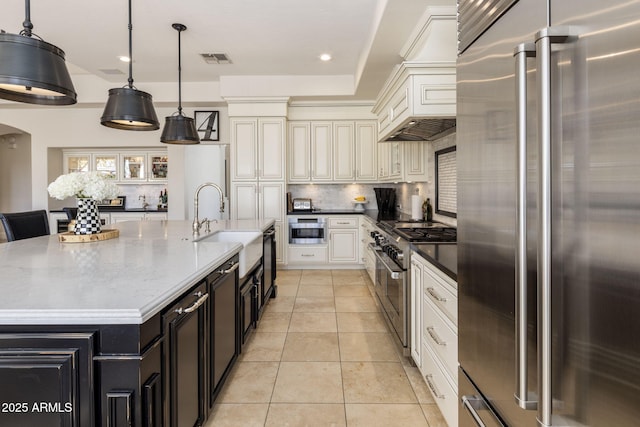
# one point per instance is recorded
(127, 107)
(178, 128)
(32, 70)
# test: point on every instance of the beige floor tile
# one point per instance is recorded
(288, 280)
(250, 382)
(272, 321)
(351, 291)
(313, 322)
(361, 322)
(281, 304)
(367, 347)
(238, 414)
(315, 291)
(355, 304)
(376, 382)
(287, 290)
(349, 281)
(311, 347)
(289, 273)
(433, 415)
(308, 382)
(387, 415)
(316, 272)
(418, 384)
(264, 347)
(316, 280)
(347, 273)
(314, 305)
(304, 415)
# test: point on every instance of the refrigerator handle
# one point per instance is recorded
(523, 398)
(544, 39)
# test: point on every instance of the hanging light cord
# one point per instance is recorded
(180, 29)
(130, 50)
(27, 24)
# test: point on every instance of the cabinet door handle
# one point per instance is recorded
(432, 386)
(234, 267)
(435, 295)
(432, 333)
(193, 306)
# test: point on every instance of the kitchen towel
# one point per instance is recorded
(416, 207)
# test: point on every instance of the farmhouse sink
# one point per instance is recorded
(251, 241)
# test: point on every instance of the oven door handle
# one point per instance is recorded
(394, 271)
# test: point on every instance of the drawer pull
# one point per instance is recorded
(435, 337)
(233, 268)
(193, 306)
(308, 255)
(343, 223)
(435, 295)
(434, 390)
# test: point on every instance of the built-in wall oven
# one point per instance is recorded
(307, 230)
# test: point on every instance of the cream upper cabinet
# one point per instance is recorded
(344, 151)
(366, 151)
(395, 161)
(106, 164)
(310, 155)
(299, 154)
(258, 149)
(321, 151)
(134, 167)
(415, 161)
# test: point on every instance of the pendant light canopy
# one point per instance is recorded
(178, 128)
(32, 70)
(127, 107)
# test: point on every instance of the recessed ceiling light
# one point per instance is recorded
(124, 58)
(325, 57)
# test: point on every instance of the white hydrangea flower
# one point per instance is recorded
(84, 185)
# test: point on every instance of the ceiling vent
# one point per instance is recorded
(216, 58)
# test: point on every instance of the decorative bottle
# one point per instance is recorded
(428, 215)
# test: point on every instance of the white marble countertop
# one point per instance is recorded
(125, 280)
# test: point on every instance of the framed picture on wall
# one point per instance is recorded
(207, 123)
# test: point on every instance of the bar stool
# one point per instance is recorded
(24, 225)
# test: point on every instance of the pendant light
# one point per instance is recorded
(127, 107)
(178, 128)
(32, 70)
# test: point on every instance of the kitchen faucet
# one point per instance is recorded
(145, 205)
(197, 224)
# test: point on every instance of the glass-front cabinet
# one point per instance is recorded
(76, 162)
(123, 166)
(134, 167)
(159, 164)
(106, 164)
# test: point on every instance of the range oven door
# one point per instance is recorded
(390, 288)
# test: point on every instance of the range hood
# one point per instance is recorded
(424, 129)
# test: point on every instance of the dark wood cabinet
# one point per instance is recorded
(248, 308)
(267, 284)
(224, 345)
(186, 331)
(47, 379)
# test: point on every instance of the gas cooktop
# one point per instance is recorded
(420, 231)
(427, 234)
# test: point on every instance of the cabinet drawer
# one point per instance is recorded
(444, 393)
(440, 293)
(308, 254)
(440, 337)
(343, 222)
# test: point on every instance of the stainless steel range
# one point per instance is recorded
(392, 250)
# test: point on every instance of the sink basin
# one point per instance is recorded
(251, 241)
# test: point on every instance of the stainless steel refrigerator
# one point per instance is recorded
(548, 127)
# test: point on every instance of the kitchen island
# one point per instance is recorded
(104, 333)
